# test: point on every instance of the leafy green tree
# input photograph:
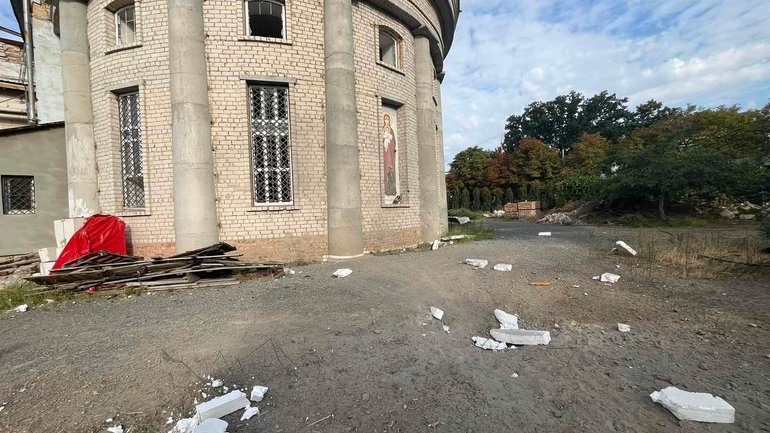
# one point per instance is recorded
(651, 112)
(454, 198)
(498, 198)
(468, 169)
(486, 199)
(557, 123)
(476, 200)
(535, 162)
(523, 193)
(509, 197)
(465, 199)
(587, 155)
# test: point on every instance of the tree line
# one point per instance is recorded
(574, 148)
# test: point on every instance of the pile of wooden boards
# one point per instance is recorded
(205, 267)
(12, 267)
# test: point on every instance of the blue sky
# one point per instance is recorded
(508, 53)
(7, 19)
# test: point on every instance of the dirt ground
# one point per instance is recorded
(366, 350)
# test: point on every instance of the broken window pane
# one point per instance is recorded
(270, 144)
(388, 49)
(18, 195)
(125, 26)
(266, 18)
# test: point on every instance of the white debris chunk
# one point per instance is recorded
(622, 327)
(626, 248)
(170, 420)
(521, 337)
(223, 405)
(258, 393)
(694, 406)
(211, 425)
(446, 328)
(185, 425)
(436, 244)
(21, 308)
(503, 267)
(116, 429)
(477, 263)
(438, 313)
(249, 412)
(609, 278)
(489, 344)
(544, 234)
(108, 420)
(342, 273)
(216, 383)
(507, 321)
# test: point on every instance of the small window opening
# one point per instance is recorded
(388, 49)
(18, 195)
(125, 26)
(266, 18)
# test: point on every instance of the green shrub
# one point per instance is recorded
(466, 213)
(576, 187)
(765, 227)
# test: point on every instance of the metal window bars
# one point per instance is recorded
(270, 144)
(132, 166)
(18, 195)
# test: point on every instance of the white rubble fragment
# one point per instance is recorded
(489, 344)
(544, 234)
(521, 337)
(609, 278)
(446, 328)
(116, 429)
(216, 383)
(694, 406)
(222, 405)
(435, 245)
(211, 425)
(249, 412)
(503, 267)
(170, 420)
(438, 313)
(258, 393)
(477, 263)
(515, 375)
(185, 425)
(21, 308)
(626, 248)
(342, 273)
(507, 321)
(622, 327)
(108, 420)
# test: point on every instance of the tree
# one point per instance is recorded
(523, 193)
(486, 199)
(454, 198)
(465, 199)
(587, 155)
(535, 162)
(607, 115)
(468, 169)
(509, 197)
(651, 112)
(557, 123)
(476, 201)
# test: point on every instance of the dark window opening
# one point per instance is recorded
(18, 195)
(266, 18)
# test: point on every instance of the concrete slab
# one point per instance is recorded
(507, 321)
(521, 337)
(625, 247)
(438, 313)
(223, 405)
(477, 263)
(694, 406)
(211, 425)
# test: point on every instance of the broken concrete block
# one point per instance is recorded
(477, 263)
(503, 267)
(609, 278)
(185, 425)
(435, 245)
(216, 383)
(223, 405)
(64, 229)
(445, 328)
(438, 313)
(544, 234)
(46, 267)
(249, 412)
(258, 393)
(622, 327)
(694, 406)
(488, 344)
(342, 273)
(47, 254)
(21, 308)
(624, 247)
(521, 337)
(116, 429)
(507, 321)
(211, 425)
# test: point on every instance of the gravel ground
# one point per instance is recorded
(366, 349)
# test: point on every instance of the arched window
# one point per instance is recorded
(388, 48)
(125, 26)
(266, 18)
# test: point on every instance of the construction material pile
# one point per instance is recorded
(205, 267)
(18, 266)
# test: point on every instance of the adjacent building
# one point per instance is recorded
(294, 129)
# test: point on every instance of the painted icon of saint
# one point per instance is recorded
(389, 156)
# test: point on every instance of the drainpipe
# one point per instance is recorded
(29, 59)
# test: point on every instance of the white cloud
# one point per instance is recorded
(508, 53)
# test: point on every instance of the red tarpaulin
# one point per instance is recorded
(100, 232)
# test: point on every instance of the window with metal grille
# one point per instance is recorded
(132, 166)
(18, 195)
(125, 26)
(265, 18)
(270, 144)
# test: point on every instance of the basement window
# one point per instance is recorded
(266, 18)
(388, 49)
(125, 26)
(18, 195)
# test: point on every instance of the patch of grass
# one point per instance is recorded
(466, 213)
(23, 292)
(134, 290)
(639, 221)
(475, 231)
